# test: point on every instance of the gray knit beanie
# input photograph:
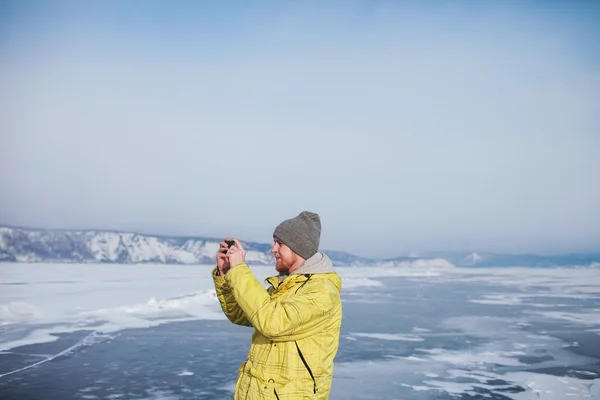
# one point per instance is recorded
(301, 233)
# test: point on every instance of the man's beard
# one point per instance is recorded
(281, 267)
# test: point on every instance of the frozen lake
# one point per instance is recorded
(157, 332)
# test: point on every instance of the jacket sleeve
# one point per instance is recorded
(230, 307)
(283, 320)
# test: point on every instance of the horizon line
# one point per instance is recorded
(467, 252)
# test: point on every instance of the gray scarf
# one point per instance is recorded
(317, 264)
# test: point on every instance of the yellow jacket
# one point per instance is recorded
(296, 329)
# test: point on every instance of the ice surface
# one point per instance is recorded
(500, 345)
(427, 332)
(591, 318)
(352, 283)
(103, 298)
(389, 336)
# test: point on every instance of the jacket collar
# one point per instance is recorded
(317, 264)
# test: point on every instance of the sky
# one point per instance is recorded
(408, 126)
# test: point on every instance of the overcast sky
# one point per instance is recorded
(407, 127)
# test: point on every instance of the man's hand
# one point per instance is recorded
(222, 261)
(236, 254)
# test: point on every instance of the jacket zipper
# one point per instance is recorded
(308, 368)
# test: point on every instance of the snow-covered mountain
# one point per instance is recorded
(29, 245)
(473, 259)
(90, 246)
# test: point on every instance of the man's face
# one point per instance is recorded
(285, 258)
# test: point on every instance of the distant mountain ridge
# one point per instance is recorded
(99, 246)
(475, 259)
